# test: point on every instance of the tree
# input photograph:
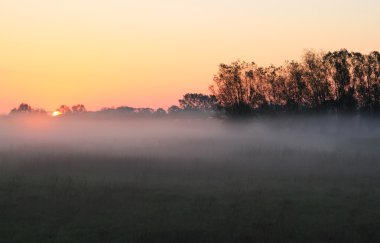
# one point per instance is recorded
(315, 73)
(125, 109)
(373, 79)
(79, 108)
(339, 72)
(144, 111)
(64, 109)
(198, 103)
(107, 110)
(234, 88)
(174, 110)
(261, 88)
(342, 80)
(297, 90)
(23, 108)
(27, 109)
(160, 112)
(276, 92)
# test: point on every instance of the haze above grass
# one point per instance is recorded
(299, 179)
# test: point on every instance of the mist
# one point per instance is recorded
(288, 179)
(119, 134)
(188, 139)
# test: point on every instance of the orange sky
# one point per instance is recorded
(149, 52)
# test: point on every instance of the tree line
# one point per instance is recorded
(333, 82)
(190, 104)
(24, 108)
(337, 82)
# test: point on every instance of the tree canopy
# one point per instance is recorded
(338, 81)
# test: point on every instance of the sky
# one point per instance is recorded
(148, 53)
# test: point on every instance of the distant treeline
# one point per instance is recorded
(191, 104)
(333, 83)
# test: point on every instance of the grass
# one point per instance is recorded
(269, 196)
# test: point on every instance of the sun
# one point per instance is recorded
(56, 113)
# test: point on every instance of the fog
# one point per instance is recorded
(289, 179)
(187, 139)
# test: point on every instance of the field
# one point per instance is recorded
(283, 180)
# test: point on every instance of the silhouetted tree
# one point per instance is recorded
(339, 72)
(79, 108)
(297, 90)
(372, 69)
(195, 102)
(125, 109)
(27, 109)
(174, 110)
(23, 107)
(160, 112)
(315, 73)
(234, 87)
(144, 111)
(64, 109)
(338, 81)
(107, 110)
(276, 93)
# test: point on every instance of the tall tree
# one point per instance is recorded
(315, 73)
(297, 90)
(233, 86)
(373, 66)
(339, 71)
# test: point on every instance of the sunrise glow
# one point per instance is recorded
(56, 113)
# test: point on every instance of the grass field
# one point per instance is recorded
(303, 181)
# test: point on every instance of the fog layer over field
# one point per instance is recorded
(293, 179)
(189, 138)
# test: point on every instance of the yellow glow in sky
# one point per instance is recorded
(56, 113)
(149, 53)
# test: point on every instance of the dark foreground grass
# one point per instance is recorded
(270, 196)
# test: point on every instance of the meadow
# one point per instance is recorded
(294, 179)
